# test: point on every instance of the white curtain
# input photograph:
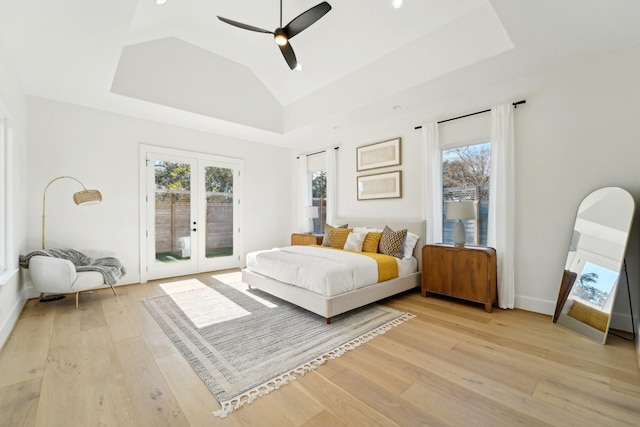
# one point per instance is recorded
(501, 223)
(432, 177)
(332, 185)
(303, 192)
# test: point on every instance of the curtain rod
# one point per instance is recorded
(318, 152)
(515, 105)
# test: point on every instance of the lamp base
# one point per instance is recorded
(459, 234)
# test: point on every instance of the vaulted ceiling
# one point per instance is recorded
(178, 63)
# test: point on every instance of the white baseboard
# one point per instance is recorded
(622, 321)
(535, 304)
(10, 322)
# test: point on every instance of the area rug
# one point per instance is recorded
(244, 343)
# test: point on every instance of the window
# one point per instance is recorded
(465, 177)
(317, 188)
(319, 199)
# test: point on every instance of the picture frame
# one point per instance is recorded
(386, 185)
(378, 155)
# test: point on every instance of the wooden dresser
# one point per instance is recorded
(465, 272)
(306, 239)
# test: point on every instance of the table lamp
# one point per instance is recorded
(460, 211)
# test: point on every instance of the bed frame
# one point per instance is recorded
(328, 307)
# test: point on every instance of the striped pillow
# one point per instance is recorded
(391, 242)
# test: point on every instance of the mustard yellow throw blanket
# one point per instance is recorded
(387, 265)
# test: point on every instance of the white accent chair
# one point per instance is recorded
(184, 244)
(50, 275)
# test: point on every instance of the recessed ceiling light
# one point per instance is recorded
(397, 3)
(164, 1)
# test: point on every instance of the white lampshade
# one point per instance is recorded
(460, 211)
(311, 212)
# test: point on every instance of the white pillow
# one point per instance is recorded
(354, 241)
(408, 245)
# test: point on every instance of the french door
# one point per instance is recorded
(192, 213)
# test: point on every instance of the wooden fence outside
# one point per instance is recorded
(173, 220)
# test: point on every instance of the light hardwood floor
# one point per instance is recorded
(109, 364)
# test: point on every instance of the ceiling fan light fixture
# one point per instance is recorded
(280, 37)
(282, 34)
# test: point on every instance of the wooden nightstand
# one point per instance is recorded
(306, 239)
(466, 272)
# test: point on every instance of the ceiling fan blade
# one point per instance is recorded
(306, 19)
(244, 26)
(289, 56)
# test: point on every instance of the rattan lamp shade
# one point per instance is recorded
(83, 197)
(87, 197)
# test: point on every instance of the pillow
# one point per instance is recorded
(339, 237)
(408, 245)
(371, 241)
(354, 241)
(326, 240)
(391, 242)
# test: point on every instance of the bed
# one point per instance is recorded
(329, 304)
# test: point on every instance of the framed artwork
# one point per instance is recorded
(378, 155)
(380, 186)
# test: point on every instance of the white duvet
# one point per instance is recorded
(319, 269)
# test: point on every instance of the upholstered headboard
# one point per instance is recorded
(417, 226)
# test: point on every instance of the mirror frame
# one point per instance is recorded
(604, 233)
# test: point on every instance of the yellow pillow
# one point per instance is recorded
(371, 242)
(339, 237)
(326, 240)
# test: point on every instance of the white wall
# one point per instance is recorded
(102, 150)
(578, 131)
(12, 108)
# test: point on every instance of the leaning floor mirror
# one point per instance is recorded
(594, 263)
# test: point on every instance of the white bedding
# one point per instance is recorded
(322, 270)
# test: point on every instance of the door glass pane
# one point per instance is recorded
(219, 226)
(173, 211)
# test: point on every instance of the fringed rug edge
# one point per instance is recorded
(281, 380)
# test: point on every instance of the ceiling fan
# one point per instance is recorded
(281, 35)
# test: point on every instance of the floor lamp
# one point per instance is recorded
(81, 198)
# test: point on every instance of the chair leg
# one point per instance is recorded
(114, 290)
(77, 296)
